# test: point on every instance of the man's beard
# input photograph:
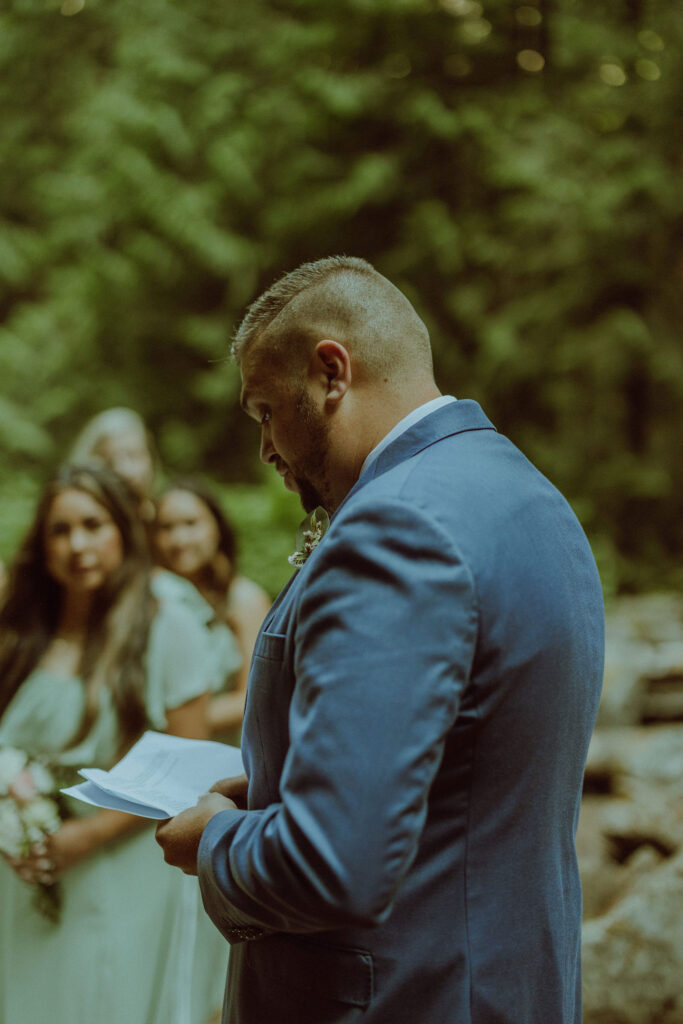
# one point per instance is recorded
(312, 465)
(308, 495)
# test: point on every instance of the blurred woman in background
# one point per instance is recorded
(88, 660)
(193, 538)
(119, 439)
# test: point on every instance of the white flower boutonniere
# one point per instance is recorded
(309, 535)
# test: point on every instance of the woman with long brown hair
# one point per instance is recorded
(193, 538)
(119, 439)
(88, 659)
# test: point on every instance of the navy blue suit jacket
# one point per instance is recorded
(419, 709)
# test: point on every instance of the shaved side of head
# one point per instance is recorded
(344, 299)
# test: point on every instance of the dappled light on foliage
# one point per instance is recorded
(531, 60)
(514, 168)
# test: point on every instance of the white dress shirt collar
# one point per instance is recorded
(408, 421)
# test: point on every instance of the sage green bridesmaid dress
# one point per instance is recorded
(133, 945)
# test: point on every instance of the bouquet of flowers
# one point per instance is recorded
(28, 813)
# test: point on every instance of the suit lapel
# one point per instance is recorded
(277, 604)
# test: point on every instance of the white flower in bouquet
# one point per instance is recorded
(12, 761)
(42, 778)
(12, 839)
(27, 815)
(32, 781)
(40, 817)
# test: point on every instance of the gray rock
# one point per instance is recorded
(630, 836)
(633, 955)
(643, 678)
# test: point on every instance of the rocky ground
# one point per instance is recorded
(630, 838)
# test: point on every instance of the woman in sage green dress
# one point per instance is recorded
(89, 658)
(119, 439)
(192, 537)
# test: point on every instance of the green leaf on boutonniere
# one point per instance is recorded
(310, 533)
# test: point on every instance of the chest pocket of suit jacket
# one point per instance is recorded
(270, 647)
(266, 728)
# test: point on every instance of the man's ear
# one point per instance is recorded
(331, 365)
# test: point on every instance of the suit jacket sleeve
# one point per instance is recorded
(384, 641)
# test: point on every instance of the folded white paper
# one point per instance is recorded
(160, 776)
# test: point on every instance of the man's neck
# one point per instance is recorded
(390, 415)
(375, 418)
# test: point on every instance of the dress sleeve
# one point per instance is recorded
(221, 651)
(178, 661)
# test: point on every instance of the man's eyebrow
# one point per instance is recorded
(244, 399)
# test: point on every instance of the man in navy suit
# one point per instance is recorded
(421, 695)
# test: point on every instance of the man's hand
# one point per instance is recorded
(235, 788)
(179, 837)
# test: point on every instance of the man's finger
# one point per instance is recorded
(160, 829)
(224, 786)
(234, 788)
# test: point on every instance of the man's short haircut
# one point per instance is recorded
(345, 299)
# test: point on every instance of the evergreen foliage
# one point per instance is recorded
(514, 168)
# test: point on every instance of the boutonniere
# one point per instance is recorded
(309, 535)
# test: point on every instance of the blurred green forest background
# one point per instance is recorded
(515, 168)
